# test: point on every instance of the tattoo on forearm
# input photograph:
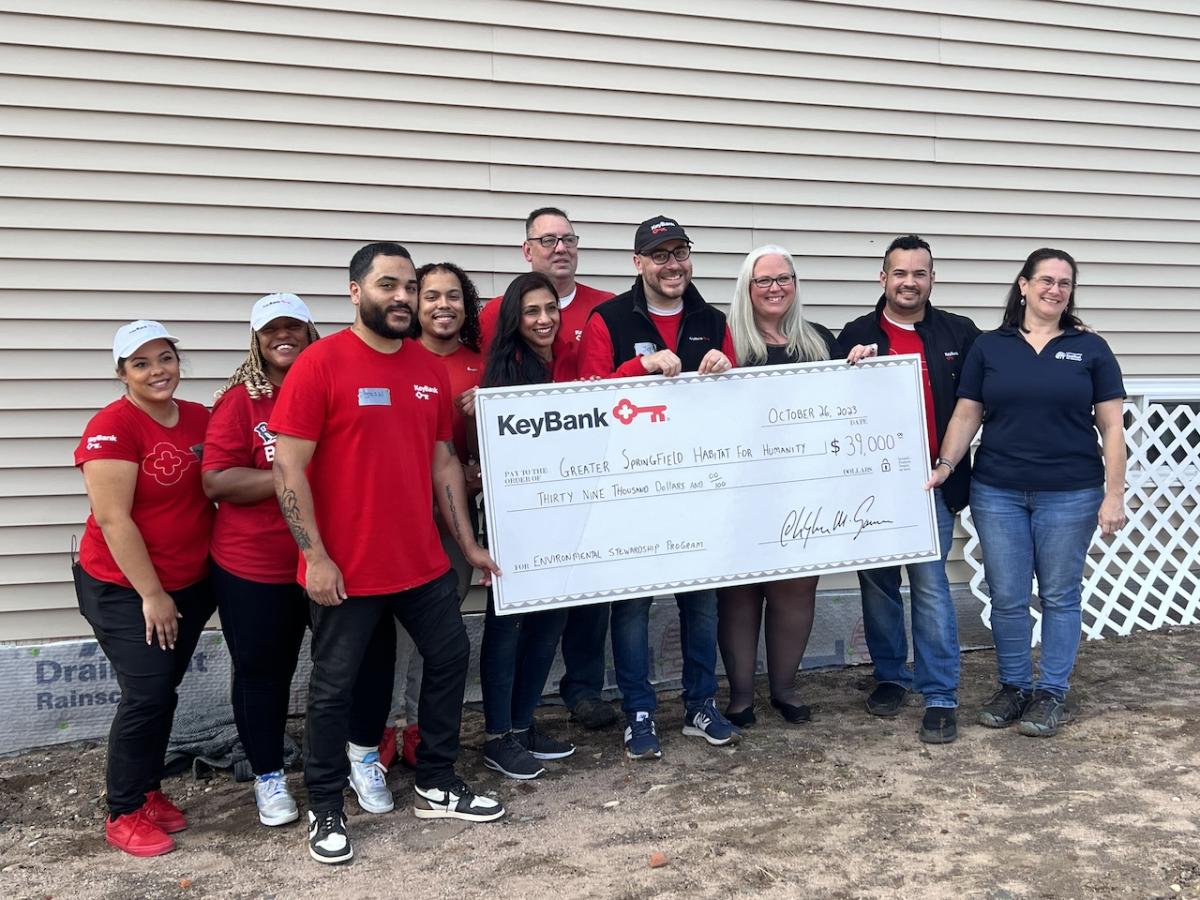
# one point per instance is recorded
(450, 447)
(453, 514)
(290, 506)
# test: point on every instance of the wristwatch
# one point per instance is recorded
(942, 461)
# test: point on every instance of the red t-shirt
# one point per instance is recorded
(250, 540)
(169, 505)
(375, 417)
(596, 355)
(573, 317)
(464, 367)
(903, 340)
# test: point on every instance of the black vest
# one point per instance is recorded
(633, 333)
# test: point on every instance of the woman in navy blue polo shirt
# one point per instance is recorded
(1040, 485)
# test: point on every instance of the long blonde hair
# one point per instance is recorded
(803, 341)
(253, 374)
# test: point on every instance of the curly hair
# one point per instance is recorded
(253, 373)
(471, 335)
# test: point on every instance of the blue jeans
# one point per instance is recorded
(515, 657)
(583, 653)
(697, 642)
(1027, 533)
(934, 625)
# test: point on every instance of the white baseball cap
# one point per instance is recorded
(129, 337)
(273, 306)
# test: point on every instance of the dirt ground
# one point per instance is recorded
(850, 806)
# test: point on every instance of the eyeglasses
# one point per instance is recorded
(765, 283)
(550, 241)
(1045, 282)
(658, 257)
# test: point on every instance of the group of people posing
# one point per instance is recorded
(306, 499)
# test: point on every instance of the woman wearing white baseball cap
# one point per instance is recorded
(142, 575)
(254, 557)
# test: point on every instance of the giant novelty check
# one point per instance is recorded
(603, 490)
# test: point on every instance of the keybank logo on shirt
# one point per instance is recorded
(424, 391)
(550, 421)
(1073, 357)
(95, 441)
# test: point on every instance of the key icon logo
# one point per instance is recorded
(625, 412)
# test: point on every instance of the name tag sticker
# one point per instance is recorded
(374, 397)
(644, 348)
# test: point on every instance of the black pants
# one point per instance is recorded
(347, 638)
(264, 627)
(148, 677)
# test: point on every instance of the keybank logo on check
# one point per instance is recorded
(553, 420)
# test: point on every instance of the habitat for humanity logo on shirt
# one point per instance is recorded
(1073, 357)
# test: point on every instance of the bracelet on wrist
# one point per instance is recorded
(942, 461)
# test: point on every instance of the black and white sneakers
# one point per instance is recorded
(456, 801)
(328, 841)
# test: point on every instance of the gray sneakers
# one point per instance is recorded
(368, 781)
(1043, 715)
(274, 800)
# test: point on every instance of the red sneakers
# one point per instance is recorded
(387, 747)
(137, 835)
(163, 813)
(411, 738)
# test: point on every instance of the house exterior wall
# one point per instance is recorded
(175, 159)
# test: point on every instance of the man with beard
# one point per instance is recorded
(904, 321)
(364, 431)
(662, 325)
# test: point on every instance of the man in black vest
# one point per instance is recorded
(662, 326)
(904, 321)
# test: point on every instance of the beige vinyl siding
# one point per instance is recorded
(176, 159)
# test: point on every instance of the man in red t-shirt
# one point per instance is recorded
(662, 325)
(364, 432)
(551, 247)
(447, 325)
(904, 321)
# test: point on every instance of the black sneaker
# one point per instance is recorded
(543, 746)
(457, 801)
(939, 725)
(1004, 708)
(327, 838)
(509, 757)
(887, 699)
(1043, 715)
(593, 713)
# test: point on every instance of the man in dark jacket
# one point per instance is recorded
(662, 326)
(904, 321)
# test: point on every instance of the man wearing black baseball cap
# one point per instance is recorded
(662, 326)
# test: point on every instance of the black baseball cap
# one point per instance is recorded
(656, 231)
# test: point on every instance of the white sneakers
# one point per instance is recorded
(274, 800)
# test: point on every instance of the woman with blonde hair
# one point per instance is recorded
(768, 326)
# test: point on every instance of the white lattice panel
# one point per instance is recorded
(1148, 575)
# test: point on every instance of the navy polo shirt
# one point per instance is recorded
(1038, 428)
